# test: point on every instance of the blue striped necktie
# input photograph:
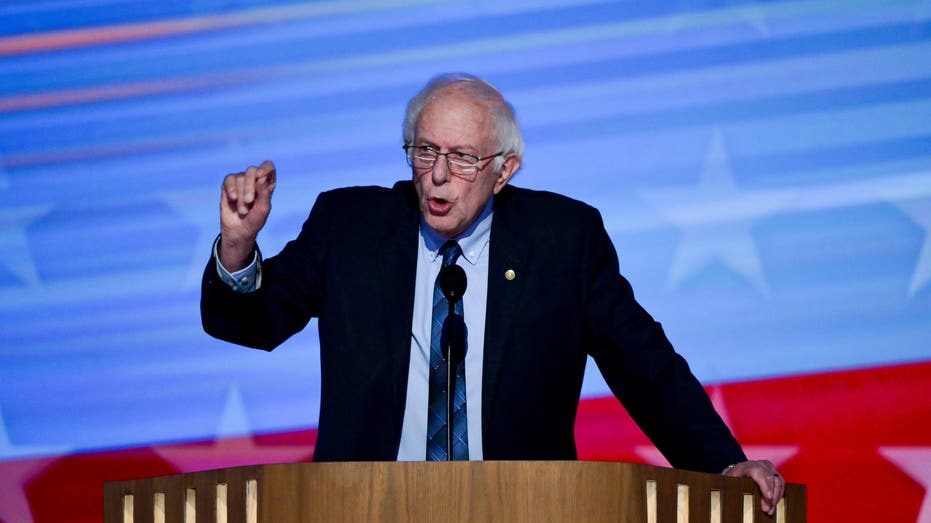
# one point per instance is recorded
(436, 417)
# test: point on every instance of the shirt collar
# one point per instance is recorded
(473, 240)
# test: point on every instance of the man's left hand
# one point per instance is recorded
(772, 484)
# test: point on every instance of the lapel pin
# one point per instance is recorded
(510, 274)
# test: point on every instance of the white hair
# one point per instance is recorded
(507, 131)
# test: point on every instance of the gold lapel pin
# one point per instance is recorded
(510, 274)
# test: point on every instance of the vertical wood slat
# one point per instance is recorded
(651, 501)
(252, 501)
(128, 512)
(715, 501)
(221, 507)
(190, 505)
(682, 503)
(158, 507)
(749, 505)
(173, 491)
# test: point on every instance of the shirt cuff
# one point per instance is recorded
(244, 280)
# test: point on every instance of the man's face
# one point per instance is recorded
(454, 122)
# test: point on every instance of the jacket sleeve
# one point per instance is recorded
(643, 370)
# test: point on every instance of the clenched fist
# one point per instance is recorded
(245, 201)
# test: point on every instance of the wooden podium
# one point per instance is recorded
(478, 491)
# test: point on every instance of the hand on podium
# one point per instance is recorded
(772, 484)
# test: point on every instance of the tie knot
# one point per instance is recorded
(450, 251)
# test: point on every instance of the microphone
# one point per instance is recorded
(453, 283)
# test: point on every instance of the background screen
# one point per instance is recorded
(763, 169)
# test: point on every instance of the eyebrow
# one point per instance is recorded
(464, 149)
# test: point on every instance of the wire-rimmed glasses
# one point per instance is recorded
(463, 165)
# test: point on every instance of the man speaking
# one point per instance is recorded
(541, 292)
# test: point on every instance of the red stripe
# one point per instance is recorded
(104, 93)
(54, 40)
(70, 38)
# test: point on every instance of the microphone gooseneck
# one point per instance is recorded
(453, 284)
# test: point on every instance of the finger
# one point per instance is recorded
(766, 506)
(248, 189)
(267, 169)
(761, 475)
(780, 490)
(265, 181)
(242, 207)
(228, 198)
(229, 187)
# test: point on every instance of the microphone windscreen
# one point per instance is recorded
(453, 282)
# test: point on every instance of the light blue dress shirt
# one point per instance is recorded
(474, 260)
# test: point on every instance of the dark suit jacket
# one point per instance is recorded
(354, 265)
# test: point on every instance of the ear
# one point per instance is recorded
(510, 167)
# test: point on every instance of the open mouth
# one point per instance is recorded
(439, 205)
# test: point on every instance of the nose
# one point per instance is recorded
(440, 171)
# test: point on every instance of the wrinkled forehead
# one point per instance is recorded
(457, 107)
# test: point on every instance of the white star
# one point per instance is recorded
(201, 208)
(919, 210)
(14, 245)
(716, 218)
(752, 14)
(916, 463)
(228, 450)
(16, 473)
(777, 454)
(746, 12)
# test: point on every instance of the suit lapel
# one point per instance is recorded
(396, 255)
(507, 259)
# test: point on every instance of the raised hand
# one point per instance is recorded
(245, 201)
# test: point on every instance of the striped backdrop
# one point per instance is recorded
(763, 168)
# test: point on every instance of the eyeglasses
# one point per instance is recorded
(423, 157)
